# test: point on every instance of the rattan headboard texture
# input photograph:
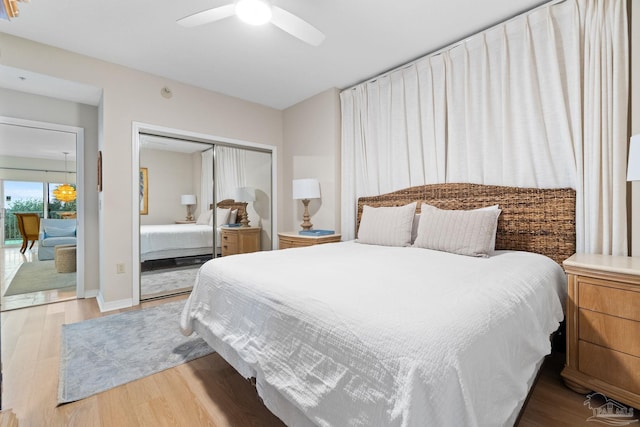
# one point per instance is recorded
(532, 219)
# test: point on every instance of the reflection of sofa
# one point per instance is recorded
(55, 232)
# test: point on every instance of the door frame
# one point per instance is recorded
(80, 201)
(139, 127)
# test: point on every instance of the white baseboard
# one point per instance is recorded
(92, 293)
(112, 305)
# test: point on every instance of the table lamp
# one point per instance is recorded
(245, 194)
(306, 189)
(188, 200)
(633, 169)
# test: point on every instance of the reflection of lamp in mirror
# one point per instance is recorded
(188, 200)
(306, 189)
(633, 169)
(245, 194)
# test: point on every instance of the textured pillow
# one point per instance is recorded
(233, 216)
(414, 227)
(204, 217)
(50, 231)
(222, 216)
(386, 226)
(461, 232)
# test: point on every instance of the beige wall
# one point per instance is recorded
(170, 175)
(635, 119)
(132, 96)
(312, 150)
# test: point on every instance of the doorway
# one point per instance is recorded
(32, 167)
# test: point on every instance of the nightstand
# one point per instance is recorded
(603, 326)
(295, 240)
(185, 222)
(239, 240)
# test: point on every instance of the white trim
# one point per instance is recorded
(112, 305)
(136, 129)
(79, 133)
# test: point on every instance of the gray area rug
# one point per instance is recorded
(39, 276)
(164, 281)
(102, 353)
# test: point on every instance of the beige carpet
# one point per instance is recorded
(39, 276)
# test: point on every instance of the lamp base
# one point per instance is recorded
(245, 219)
(306, 223)
(189, 214)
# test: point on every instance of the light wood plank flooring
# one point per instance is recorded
(10, 260)
(204, 392)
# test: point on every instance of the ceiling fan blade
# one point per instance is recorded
(207, 16)
(295, 26)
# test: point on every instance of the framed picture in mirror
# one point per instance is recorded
(144, 191)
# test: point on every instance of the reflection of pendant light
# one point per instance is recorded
(65, 192)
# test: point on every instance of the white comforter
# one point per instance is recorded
(361, 335)
(162, 237)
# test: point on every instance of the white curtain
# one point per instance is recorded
(539, 101)
(206, 180)
(230, 171)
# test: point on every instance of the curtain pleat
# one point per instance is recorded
(539, 101)
(229, 171)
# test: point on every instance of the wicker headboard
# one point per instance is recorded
(232, 204)
(532, 219)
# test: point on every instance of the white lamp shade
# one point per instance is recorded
(306, 188)
(245, 194)
(188, 199)
(633, 169)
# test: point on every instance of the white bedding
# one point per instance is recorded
(178, 239)
(363, 335)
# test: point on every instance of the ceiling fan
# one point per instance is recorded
(258, 12)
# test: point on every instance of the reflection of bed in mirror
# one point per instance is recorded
(170, 241)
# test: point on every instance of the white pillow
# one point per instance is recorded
(386, 226)
(222, 216)
(233, 216)
(414, 227)
(461, 232)
(204, 217)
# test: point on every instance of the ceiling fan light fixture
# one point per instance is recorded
(253, 12)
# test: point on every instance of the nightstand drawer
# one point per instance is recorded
(609, 331)
(605, 299)
(229, 248)
(613, 367)
(229, 238)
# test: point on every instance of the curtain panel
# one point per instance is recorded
(538, 101)
(230, 165)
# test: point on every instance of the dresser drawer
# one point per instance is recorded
(229, 248)
(229, 238)
(609, 331)
(604, 299)
(615, 368)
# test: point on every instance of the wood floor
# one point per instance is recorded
(10, 260)
(204, 392)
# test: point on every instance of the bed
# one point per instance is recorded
(166, 241)
(354, 334)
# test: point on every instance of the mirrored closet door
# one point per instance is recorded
(194, 197)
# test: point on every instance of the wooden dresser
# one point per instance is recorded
(295, 240)
(239, 240)
(603, 326)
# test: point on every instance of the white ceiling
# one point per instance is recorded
(260, 64)
(33, 142)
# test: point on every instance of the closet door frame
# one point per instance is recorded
(136, 129)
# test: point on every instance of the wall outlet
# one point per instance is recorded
(120, 268)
